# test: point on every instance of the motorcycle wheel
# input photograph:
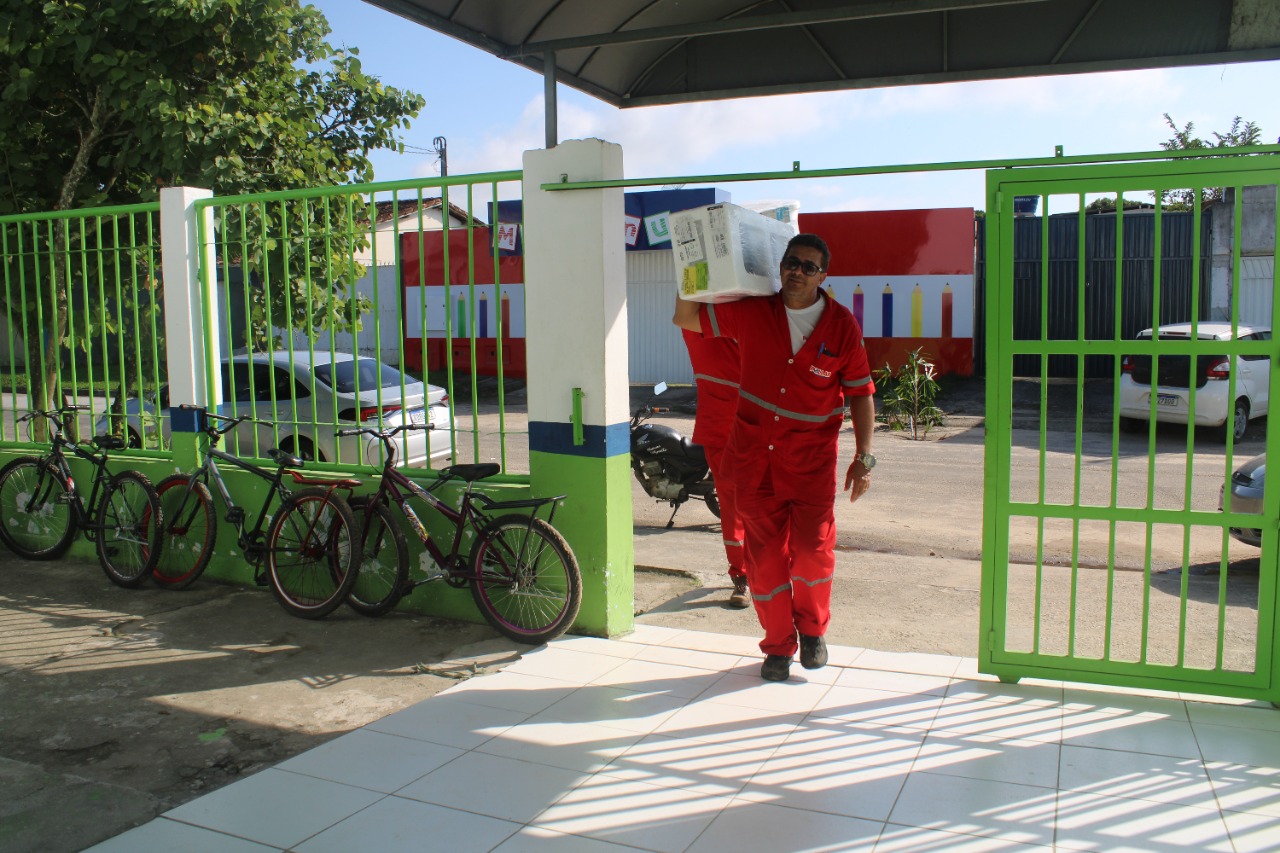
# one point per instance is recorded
(713, 504)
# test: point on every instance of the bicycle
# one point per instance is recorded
(523, 575)
(307, 553)
(42, 509)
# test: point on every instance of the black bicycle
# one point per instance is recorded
(305, 550)
(41, 509)
(523, 575)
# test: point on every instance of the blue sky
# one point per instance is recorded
(490, 111)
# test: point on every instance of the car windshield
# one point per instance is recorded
(342, 376)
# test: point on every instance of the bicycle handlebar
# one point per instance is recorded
(382, 433)
(56, 416)
(230, 423)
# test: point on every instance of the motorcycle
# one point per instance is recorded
(668, 466)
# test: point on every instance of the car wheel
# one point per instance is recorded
(304, 449)
(1236, 425)
(133, 438)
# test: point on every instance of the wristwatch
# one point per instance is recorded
(868, 461)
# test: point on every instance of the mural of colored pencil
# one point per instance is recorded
(947, 300)
(506, 315)
(484, 315)
(886, 312)
(462, 317)
(917, 312)
(857, 304)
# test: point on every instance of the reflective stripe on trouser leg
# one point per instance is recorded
(790, 560)
(730, 523)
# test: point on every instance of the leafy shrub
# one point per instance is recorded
(908, 396)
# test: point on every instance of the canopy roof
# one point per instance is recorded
(633, 53)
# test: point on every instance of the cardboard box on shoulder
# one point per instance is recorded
(724, 252)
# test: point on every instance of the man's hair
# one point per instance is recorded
(812, 241)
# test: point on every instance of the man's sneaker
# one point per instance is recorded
(813, 652)
(741, 596)
(776, 668)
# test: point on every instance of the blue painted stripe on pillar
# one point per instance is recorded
(600, 441)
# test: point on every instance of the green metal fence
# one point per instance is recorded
(1106, 556)
(82, 317)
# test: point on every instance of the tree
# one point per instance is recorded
(106, 102)
(1239, 134)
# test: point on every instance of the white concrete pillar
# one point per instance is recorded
(190, 322)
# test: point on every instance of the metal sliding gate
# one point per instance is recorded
(1106, 555)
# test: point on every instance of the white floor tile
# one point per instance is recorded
(165, 836)
(1004, 810)
(794, 696)
(1253, 833)
(913, 839)
(1253, 716)
(813, 783)
(1091, 822)
(1241, 788)
(750, 728)
(573, 746)
(1022, 762)
(1251, 747)
(1136, 775)
(596, 645)
(762, 828)
(373, 760)
(669, 679)
(994, 715)
(666, 820)
(512, 691)
(699, 641)
(397, 825)
(564, 665)
(878, 707)
(712, 661)
(532, 839)
(614, 707)
(909, 662)
(651, 635)
(449, 719)
(1130, 733)
(706, 768)
(893, 682)
(494, 786)
(819, 741)
(275, 807)
(1103, 699)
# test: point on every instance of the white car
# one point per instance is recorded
(331, 393)
(1214, 407)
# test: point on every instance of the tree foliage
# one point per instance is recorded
(1239, 134)
(106, 101)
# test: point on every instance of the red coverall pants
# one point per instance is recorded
(730, 523)
(790, 551)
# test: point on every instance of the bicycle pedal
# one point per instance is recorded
(235, 515)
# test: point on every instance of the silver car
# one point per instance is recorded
(308, 396)
(1247, 487)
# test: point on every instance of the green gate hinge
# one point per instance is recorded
(576, 418)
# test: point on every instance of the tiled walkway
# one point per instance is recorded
(668, 741)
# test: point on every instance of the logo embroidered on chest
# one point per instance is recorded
(825, 374)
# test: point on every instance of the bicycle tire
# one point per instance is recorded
(310, 574)
(131, 529)
(190, 532)
(383, 573)
(39, 530)
(525, 579)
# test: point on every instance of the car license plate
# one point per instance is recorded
(1167, 400)
(418, 416)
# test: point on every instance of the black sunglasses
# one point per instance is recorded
(791, 262)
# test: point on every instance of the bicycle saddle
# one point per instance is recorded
(283, 457)
(471, 473)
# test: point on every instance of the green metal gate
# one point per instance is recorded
(1106, 555)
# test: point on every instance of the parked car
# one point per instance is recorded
(325, 389)
(1247, 486)
(1210, 379)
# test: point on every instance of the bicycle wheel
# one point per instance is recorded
(311, 553)
(131, 529)
(525, 579)
(36, 520)
(190, 531)
(383, 571)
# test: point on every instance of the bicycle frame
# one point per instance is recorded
(57, 458)
(208, 471)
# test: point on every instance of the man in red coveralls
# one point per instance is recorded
(715, 370)
(801, 356)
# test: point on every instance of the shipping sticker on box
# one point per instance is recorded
(658, 227)
(694, 279)
(688, 242)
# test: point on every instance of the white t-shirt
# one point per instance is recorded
(802, 322)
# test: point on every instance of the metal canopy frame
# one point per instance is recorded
(633, 53)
